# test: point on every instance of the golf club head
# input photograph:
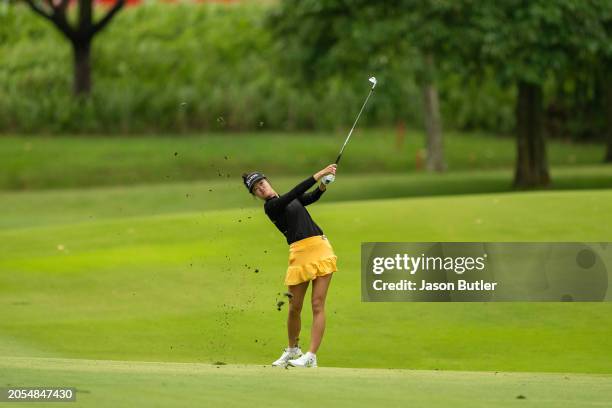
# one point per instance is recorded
(372, 81)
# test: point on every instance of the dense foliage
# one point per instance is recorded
(189, 67)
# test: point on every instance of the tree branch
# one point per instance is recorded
(57, 15)
(38, 10)
(109, 16)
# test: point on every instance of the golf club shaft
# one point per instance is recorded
(354, 124)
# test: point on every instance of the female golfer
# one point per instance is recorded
(311, 257)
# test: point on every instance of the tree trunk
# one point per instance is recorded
(608, 158)
(80, 35)
(433, 122)
(531, 161)
(608, 111)
(82, 67)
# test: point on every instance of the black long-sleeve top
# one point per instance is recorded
(287, 211)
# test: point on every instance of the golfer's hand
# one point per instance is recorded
(331, 169)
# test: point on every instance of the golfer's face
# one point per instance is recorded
(262, 189)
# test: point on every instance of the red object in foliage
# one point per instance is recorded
(137, 2)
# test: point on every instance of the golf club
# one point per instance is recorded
(330, 177)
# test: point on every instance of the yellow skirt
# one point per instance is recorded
(308, 258)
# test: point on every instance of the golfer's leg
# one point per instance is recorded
(294, 322)
(319, 292)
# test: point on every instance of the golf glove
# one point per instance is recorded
(329, 178)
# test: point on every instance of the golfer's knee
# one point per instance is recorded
(318, 305)
(294, 309)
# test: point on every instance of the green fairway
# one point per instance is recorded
(37, 208)
(201, 286)
(144, 384)
(58, 162)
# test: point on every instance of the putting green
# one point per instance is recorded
(135, 384)
(202, 287)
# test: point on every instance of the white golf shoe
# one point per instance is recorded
(307, 360)
(288, 354)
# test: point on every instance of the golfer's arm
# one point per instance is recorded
(311, 197)
(281, 202)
